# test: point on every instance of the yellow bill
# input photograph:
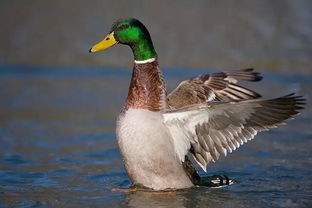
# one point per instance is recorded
(107, 42)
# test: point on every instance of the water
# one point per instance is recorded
(273, 35)
(58, 146)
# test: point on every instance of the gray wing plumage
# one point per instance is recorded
(212, 129)
(217, 86)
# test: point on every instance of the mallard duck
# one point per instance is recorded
(204, 117)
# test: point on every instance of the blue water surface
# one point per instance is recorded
(58, 145)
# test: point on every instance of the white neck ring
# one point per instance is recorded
(145, 61)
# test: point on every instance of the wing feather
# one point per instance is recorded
(213, 129)
(218, 86)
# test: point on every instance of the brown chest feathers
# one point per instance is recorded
(147, 88)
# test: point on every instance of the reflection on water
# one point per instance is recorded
(58, 146)
(194, 197)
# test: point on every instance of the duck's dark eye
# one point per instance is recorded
(107, 38)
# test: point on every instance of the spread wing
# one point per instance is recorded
(211, 129)
(218, 86)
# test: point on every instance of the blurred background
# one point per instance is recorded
(59, 103)
(270, 35)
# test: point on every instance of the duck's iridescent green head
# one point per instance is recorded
(129, 32)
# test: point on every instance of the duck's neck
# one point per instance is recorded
(143, 49)
(147, 88)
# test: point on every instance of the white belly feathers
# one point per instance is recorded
(148, 150)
